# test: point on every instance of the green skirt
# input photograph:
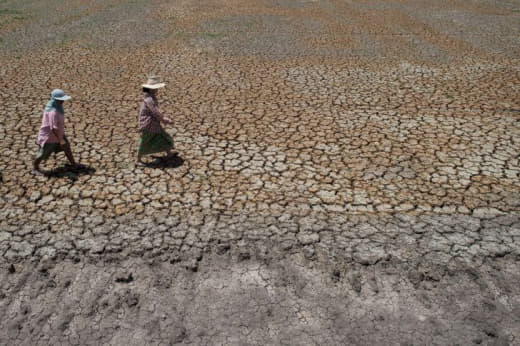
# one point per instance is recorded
(152, 143)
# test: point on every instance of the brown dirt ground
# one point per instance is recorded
(348, 173)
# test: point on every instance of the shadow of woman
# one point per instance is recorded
(167, 162)
(70, 172)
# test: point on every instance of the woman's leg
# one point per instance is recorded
(140, 147)
(168, 138)
(139, 161)
(68, 153)
(43, 154)
(36, 166)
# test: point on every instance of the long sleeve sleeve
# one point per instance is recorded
(153, 110)
(150, 117)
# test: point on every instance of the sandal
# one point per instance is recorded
(76, 166)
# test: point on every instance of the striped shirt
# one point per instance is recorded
(149, 116)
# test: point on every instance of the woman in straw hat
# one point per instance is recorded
(153, 137)
(51, 137)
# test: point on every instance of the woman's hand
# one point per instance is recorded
(62, 142)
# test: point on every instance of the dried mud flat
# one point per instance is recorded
(348, 173)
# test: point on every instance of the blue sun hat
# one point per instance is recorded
(57, 95)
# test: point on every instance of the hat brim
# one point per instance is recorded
(154, 86)
(63, 98)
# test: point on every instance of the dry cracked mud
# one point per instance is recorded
(348, 173)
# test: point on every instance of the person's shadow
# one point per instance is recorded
(166, 162)
(70, 172)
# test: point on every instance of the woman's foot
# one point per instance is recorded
(76, 166)
(172, 154)
(37, 173)
(140, 164)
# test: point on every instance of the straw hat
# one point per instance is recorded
(58, 94)
(153, 83)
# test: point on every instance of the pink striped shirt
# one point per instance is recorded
(51, 120)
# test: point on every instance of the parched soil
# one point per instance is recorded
(348, 173)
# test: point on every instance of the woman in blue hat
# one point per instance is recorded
(51, 137)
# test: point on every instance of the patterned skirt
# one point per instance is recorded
(152, 143)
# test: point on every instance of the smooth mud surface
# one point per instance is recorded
(228, 299)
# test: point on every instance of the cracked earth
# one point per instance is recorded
(348, 173)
